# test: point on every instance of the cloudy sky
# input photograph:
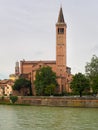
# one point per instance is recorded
(27, 31)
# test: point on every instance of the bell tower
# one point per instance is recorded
(61, 44)
(17, 68)
(61, 51)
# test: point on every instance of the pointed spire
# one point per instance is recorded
(61, 17)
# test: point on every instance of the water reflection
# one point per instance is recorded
(47, 118)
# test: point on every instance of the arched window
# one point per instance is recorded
(60, 30)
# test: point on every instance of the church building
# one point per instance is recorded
(63, 72)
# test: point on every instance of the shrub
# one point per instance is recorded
(2, 98)
(13, 99)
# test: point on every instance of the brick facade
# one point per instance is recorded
(28, 68)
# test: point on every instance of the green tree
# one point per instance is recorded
(79, 83)
(91, 70)
(21, 84)
(50, 89)
(44, 77)
(91, 67)
(95, 84)
(13, 99)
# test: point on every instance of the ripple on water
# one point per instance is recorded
(47, 118)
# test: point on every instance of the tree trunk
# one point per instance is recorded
(80, 94)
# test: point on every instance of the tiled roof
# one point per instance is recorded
(35, 62)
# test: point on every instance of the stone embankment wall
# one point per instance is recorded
(60, 101)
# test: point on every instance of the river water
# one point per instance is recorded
(47, 118)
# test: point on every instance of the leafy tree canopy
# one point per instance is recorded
(79, 83)
(44, 77)
(22, 83)
(94, 84)
(91, 70)
(91, 67)
(50, 89)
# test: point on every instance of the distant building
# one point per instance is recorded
(16, 75)
(6, 87)
(28, 68)
(13, 77)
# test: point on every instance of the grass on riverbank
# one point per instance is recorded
(15, 104)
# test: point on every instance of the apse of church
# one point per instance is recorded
(29, 68)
